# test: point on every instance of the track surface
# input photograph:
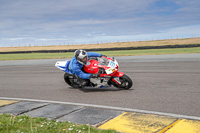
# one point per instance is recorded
(164, 83)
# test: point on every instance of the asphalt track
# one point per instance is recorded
(164, 83)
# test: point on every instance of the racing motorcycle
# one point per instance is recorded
(107, 69)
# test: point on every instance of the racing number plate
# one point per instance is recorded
(112, 64)
(112, 67)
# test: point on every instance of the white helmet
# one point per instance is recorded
(81, 56)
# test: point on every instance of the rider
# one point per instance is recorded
(80, 58)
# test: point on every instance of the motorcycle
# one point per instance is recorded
(107, 69)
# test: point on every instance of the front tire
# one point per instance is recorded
(126, 83)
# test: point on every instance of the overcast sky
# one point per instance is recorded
(54, 22)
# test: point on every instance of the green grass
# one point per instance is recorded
(108, 53)
(26, 124)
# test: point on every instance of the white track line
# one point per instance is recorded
(107, 107)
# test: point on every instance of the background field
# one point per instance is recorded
(26, 56)
(107, 45)
(108, 53)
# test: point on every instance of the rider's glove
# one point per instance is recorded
(94, 75)
(103, 55)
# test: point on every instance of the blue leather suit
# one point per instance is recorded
(75, 67)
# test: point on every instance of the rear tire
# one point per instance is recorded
(69, 80)
(126, 83)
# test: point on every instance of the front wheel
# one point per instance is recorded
(126, 83)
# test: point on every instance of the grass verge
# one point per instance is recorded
(26, 124)
(108, 53)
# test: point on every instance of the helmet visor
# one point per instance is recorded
(84, 60)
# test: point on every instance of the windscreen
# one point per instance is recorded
(103, 61)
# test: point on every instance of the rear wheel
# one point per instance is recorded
(69, 80)
(126, 83)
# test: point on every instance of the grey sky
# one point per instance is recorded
(54, 22)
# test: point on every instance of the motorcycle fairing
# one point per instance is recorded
(112, 67)
(63, 65)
